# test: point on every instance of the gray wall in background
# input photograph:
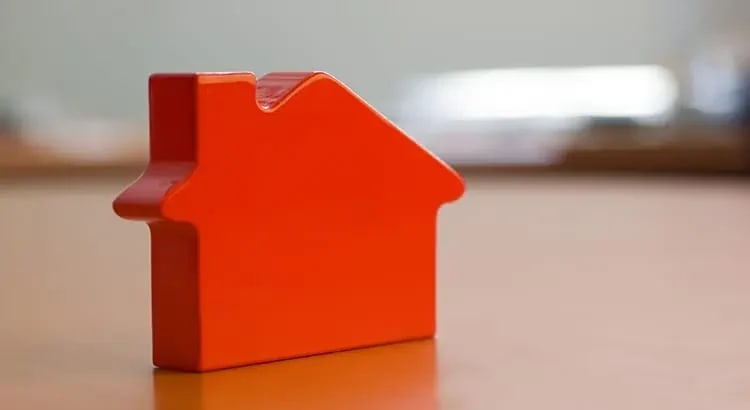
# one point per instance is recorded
(95, 55)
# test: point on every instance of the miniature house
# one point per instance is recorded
(288, 218)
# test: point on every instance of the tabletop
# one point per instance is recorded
(554, 292)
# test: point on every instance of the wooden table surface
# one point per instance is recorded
(554, 293)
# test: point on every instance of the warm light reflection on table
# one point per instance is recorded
(400, 376)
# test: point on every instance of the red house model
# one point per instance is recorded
(287, 218)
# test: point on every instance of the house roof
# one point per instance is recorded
(200, 115)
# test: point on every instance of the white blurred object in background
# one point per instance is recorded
(527, 115)
(43, 123)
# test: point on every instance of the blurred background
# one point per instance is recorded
(480, 82)
(586, 129)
